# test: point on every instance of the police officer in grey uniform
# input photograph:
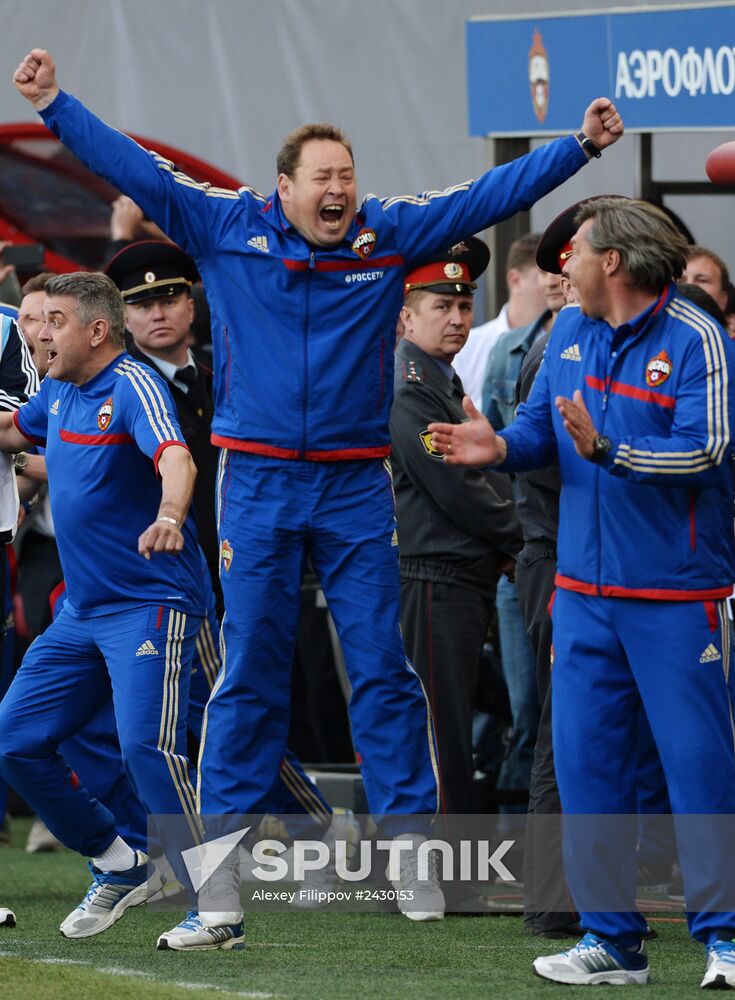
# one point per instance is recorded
(457, 526)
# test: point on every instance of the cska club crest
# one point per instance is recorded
(226, 554)
(364, 243)
(104, 416)
(538, 77)
(658, 370)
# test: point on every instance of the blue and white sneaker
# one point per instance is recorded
(108, 897)
(7, 917)
(720, 974)
(192, 935)
(593, 961)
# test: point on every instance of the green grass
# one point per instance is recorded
(299, 956)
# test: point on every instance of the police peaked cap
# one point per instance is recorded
(554, 247)
(453, 272)
(151, 269)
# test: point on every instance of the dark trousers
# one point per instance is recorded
(542, 862)
(444, 628)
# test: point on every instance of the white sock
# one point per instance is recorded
(118, 857)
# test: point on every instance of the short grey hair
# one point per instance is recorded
(653, 252)
(97, 298)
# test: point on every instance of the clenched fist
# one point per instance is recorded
(35, 79)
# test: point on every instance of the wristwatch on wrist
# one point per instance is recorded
(601, 445)
(588, 145)
(20, 461)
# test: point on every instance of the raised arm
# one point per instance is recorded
(194, 215)
(437, 219)
(178, 472)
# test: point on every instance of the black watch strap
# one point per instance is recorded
(588, 145)
(600, 447)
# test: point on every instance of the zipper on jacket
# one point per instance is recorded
(598, 471)
(305, 353)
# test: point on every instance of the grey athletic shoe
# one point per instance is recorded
(108, 897)
(192, 935)
(419, 899)
(593, 961)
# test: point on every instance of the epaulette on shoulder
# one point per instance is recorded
(411, 373)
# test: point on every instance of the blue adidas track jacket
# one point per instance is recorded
(303, 337)
(655, 518)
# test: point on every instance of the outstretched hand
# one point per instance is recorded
(602, 123)
(473, 442)
(35, 79)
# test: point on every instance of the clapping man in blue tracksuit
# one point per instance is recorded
(636, 398)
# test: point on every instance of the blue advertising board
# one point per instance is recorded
(666, 68)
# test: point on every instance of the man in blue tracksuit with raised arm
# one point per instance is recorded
(636, 398)
(304, 290)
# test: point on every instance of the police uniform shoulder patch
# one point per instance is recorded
(431, 451)
(658, 369)
(411, 372)
(104, 414)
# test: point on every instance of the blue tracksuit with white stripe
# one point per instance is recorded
(646, 561)
(129, 624)
(303, 360)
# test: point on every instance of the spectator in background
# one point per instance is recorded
(525, 302)
(706, 269)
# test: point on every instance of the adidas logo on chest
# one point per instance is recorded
(259, 243)
(571, 353)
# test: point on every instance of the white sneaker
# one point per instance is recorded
(192, 935)
(108, 897)
(7, 917)
(594, 960)
(40, 839)
(420, 900)
(720, 974)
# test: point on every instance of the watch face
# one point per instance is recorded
(601, 445)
